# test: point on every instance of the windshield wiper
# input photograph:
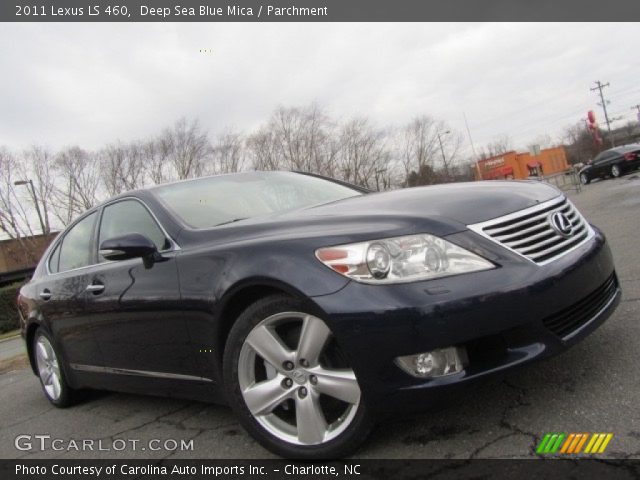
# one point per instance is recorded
(230, 221)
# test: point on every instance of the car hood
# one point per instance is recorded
(465, 203)
(439, 210)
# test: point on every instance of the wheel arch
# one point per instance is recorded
(30, 334)
(244, 293)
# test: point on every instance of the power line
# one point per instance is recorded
(549, 121)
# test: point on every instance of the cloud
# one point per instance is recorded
(90, 84)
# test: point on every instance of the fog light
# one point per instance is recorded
(438, 363)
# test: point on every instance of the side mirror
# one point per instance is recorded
(133, 245)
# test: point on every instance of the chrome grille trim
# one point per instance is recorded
(529, 233)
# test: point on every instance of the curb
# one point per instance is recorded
(7, 339)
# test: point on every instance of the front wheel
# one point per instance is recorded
(616, 171)
(584, 179)
(52, 377)
(290, 384)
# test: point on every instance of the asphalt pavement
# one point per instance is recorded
(594, 387)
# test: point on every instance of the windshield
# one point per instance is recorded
(207, 202)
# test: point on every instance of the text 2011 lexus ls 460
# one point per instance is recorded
(308, 305)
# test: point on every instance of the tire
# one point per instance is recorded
(51, 372)
(294, 415)
(616, 171)
(584, 179)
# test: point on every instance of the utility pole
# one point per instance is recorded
(599, 86)
(637, 107)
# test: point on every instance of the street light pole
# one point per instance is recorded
(35, 200)
(444, 159)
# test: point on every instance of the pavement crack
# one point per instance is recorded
(519, 401)
(482, 447)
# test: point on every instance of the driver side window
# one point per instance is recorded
(130, 216)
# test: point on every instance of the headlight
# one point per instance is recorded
(401, 259)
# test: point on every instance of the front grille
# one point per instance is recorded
(567, 321)
(530, 233)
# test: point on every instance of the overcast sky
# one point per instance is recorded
(91, 84)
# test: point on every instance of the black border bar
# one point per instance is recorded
(552, 468)
(318, 10)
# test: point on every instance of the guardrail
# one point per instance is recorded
(565, 180)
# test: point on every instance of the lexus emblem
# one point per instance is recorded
(299, 377)
(561, 224)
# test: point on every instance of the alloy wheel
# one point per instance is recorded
(615, 171)
(48, 368)
(295, 380)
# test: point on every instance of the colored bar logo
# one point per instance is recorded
(573, 443)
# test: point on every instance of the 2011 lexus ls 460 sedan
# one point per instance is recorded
(309, 306)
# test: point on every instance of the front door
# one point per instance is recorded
(137, 310)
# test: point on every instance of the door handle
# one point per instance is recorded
(95, 288)
(45, 294)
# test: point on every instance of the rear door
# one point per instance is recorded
(136, 310)
(62, 294)
(602, 164)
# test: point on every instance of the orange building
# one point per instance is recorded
(519, 166)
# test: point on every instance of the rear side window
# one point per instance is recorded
(75, 250)
(130, 216)
(604, 156)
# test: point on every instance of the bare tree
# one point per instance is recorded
(228, 153)
(451, 144)
(293, 138)
(418, 147)
(79, 182)
(123, 167)
(296, 138)
(38, 165)
(12, 215)
(261, 147)
(363, 155)
(498, 146)
(156, 158)
(15, 217)
(579, 143)
(189, 148)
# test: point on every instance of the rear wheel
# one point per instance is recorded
(616, 171)
(584, 179)
(50, 371)
(291, 385)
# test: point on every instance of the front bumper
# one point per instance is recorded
(509, 316)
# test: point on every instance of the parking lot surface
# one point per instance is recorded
(594, 387)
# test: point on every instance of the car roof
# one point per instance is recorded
(626, 148)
